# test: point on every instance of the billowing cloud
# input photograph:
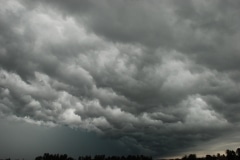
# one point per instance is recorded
(160, 77)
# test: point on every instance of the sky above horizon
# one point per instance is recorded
(150, 77)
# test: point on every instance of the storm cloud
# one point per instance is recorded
(161, 77)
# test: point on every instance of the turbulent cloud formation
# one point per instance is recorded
(159, 76)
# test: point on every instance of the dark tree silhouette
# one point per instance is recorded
(238, 153)
(209, 157)
(231, 155)
(192, 157)
(48, 156)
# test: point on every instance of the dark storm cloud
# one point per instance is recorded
(160, 77)
(169, 24)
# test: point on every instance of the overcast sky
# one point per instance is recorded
(119, 77)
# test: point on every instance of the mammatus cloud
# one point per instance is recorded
(158, 76)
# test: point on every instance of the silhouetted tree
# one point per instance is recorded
(192, 157)
(184, 157)
(39, 158)
(208, 157)
(231, 155)
(238, 153)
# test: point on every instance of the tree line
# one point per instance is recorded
(48, 156)
(230, 155)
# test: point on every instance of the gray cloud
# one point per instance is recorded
(160, 77)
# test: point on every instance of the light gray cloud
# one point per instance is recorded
(159, 77)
